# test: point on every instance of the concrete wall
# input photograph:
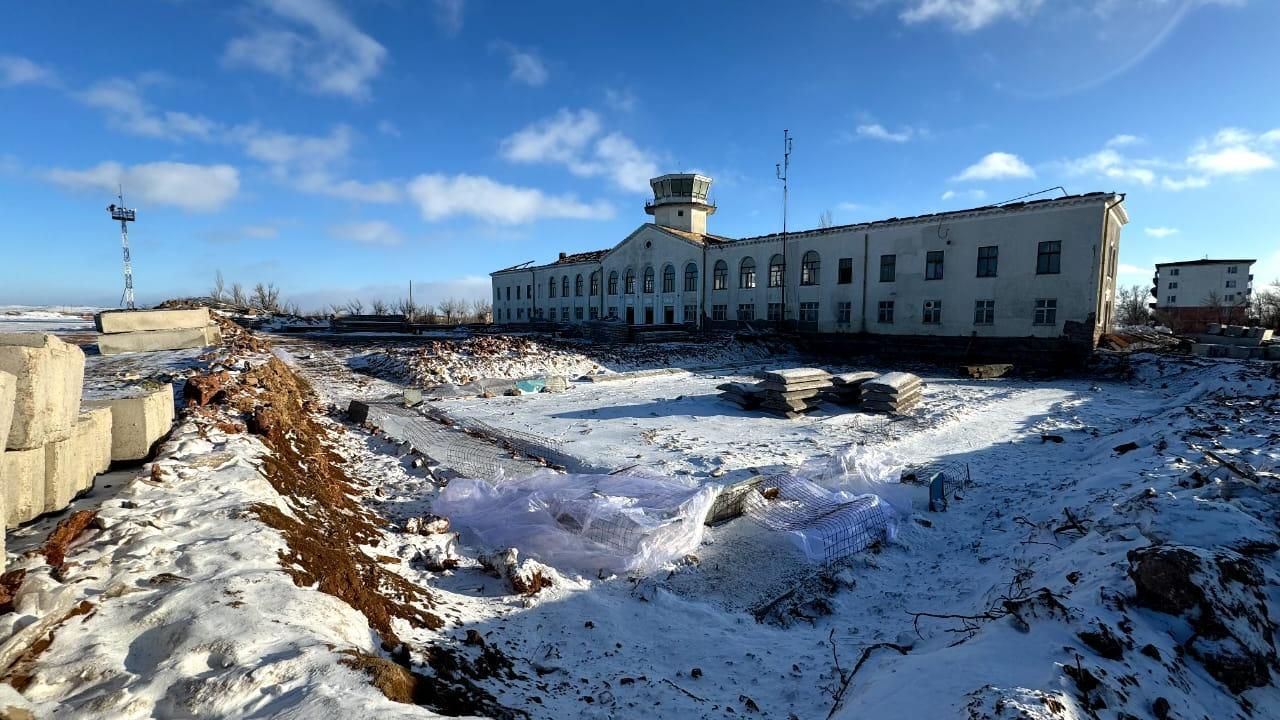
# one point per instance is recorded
(23, 473)
(49, 375)
(651, 248)
(120, 321)
(155, 340)
(138, 421)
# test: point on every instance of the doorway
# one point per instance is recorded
(631, 316)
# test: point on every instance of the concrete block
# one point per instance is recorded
(99, 449)
(64, 466)
(8, 398)
(138, 421)
(1233, 331)
(123, 321)
(50, 377)
(156, 340)
(23, 473)
(1273, 352)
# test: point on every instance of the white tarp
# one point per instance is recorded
(585, 523)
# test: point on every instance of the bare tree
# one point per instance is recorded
(824, 220)
(380, 307)
(407, 308)
(482, 309)
(238, 298)
(429, 315)
(219, 287)
(451, 308)
(266, 297)
(1265, 307)
(1131, 305)
(354, 307)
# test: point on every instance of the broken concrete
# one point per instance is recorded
(23, 473)
(126, 321)
(49, 375)
(156, 340)
(138, 421)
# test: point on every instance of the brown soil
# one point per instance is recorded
(55, 548)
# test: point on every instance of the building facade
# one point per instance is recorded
(1193, 293)
(1033, 269)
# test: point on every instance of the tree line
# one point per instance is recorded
(265, 297)
(1263, 306)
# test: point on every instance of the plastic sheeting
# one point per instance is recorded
(584, 523)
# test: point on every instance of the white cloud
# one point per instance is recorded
(968, 194)
(997, 166)
(625, 101)
(526, 67)
(260, 232)
(449, 15)
(388, 128)
(369, 232)
(16, 70)
(126, 110)
(1123, 141)
(1160, 232)
(439, 197)
(1231, 160)
(966, 15)
(575, 140)
(196, 188)
(312, 42)
(1111, 164)
(311, 163)
(1187, 183)
(876, 131)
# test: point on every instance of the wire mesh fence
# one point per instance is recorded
(827, 527)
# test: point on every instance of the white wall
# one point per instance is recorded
(1196, 282)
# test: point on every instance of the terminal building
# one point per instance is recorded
(1041, 270)
(1192, 294)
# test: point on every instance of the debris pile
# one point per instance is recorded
(895, 392)
(794, 391)
(846, 388)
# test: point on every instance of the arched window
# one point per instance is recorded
(577, 285)
(564, 286)
(595, 283)
(648, 280)
(630, 288)
(551, 287)
(720, 276)
(747, 273)
(613, 282)
(668, 279)
(776, 270)
(690, 277)
(809, 266)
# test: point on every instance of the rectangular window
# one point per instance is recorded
(888, 267)
(884, 313)
(1232, 269)
(690, 278)
(551, 288)
(844, 310)
(519, 313)
(988, 257)
(648, 281)
(1172, 299)
(720, 278)
(775, 312)
(564, 314)
(984, 312)
(1046, 311)
(508, 313)
(669, 282)
(846, 272)
(528, 291)
(517, 292)
(595, 313)
(809, 312)
(1174, 271)
(933, 265)
(747, 276)
(691, 313)
(613, 283)
(551, 314)
(746, 312)
(1229, 297)
(1049, 258)
(508, 293)
(577, 313)
(719, 312)
(1231, 283)
(932, 312)
(1173, 286)
(630, 284)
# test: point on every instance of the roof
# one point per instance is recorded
(1005, 207)
(1207, 261)
(574, 259)
(700, 238)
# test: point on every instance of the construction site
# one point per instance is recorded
(521, 524)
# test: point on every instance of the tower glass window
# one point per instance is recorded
(747, 275)
(810, 265)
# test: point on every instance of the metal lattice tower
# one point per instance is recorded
(125, 216)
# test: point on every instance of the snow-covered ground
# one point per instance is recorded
(1025, 583)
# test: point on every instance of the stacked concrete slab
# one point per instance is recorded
(794, 391)
(1238, 342)
(846, 388)
(126, 331)
(745, 395)
(895, 392)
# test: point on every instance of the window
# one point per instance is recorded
(932, 312)
(1173, 286)
(747, 274)
(690, 277)
(1232, 269)
(613, 282)
(845, 275)
(1049, 259)
(984, 312)
(518, 292)
(631, 282)
(988, 257)
(564, 286)
(551, 314)
(776, 270)
(595, 313)
(508, 292)
(809, 267)
(884, 313)
(1046, 311)
(648, 280)
(519, 313)
(691, 313)
(775, 312)
(528, 291)
(1174, 271)
(577, 285)
(720, 276)
(551, 287)
(746, 312)
(933, 265)
(809, 312)
(888, 268)
(564, 313)
(577, 313)
(508, 313)
(844, 310)
(668, 279)
(1231, 283)
(595, 283)
(1172, 299)
(1229, 297)
(719, 312)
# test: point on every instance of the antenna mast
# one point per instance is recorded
(125, 216)
(782, 170)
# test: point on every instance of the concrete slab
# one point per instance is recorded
(99, 447)
(50, 377)
(8, 398)
(123, 321)
(157, 340)
(138, 421)
(64, 467)
(23, 473)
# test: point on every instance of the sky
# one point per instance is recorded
(344, 150)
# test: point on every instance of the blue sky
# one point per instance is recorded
(343, 149)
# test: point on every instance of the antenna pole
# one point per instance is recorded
(125, 216)
(782, 170)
